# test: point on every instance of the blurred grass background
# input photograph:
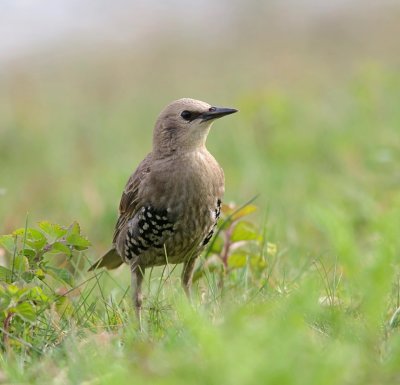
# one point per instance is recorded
(317, 137)
(317, 89)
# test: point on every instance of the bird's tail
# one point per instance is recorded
(110, 260)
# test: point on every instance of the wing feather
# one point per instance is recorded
(129, 199)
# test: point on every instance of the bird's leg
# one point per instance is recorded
(137, 274)
(187, 275)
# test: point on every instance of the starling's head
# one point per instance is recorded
(184, 125)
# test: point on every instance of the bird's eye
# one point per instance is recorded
(212, 109)
(187, 115)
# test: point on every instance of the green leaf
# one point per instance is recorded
(26, 311)
(37, 245)
(8, 242)
(75, 239)
(60, 248)
(217, 245)
(237, 260)
(34, 238)
(36, 294)
(244, 231)
(30, 253)
(247, 210)
(39, 273)
(52, 229)
(74, 228)
(28, 276)
(5, 301)
(230, 210)
(21, 293)
(5, 274)
(78, 241)
(20, 231)
(13, 289)
(21, 263)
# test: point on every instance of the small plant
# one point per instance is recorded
(238, 244)
(28, 286)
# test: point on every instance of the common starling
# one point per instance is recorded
(171, 203)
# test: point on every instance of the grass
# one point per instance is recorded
(325, 163)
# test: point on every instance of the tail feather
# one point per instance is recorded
(110, 260)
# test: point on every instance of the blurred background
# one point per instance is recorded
(317, 84)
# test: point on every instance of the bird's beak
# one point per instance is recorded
(216, 112)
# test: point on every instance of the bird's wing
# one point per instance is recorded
(129, 199)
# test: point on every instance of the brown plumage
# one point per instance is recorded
(171, 203)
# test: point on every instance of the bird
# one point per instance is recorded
(171, 204)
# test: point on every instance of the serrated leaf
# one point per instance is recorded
(20, 231)
(5, 274)
(61, 275)
(26, 311)
(8, 242)
(36, 235)
(30, 253)
(28, 276)
(21, 263)
(74, 228)
(37, 245)
(244, 231)
(36, 294)
(33, 237)
(237, 260)
(59, 247)
(52, 229)
(77, 241)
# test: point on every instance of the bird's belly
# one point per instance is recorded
(185, 242)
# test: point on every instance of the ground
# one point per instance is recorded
(302, 290)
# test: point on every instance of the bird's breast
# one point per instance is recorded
(193, 180)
